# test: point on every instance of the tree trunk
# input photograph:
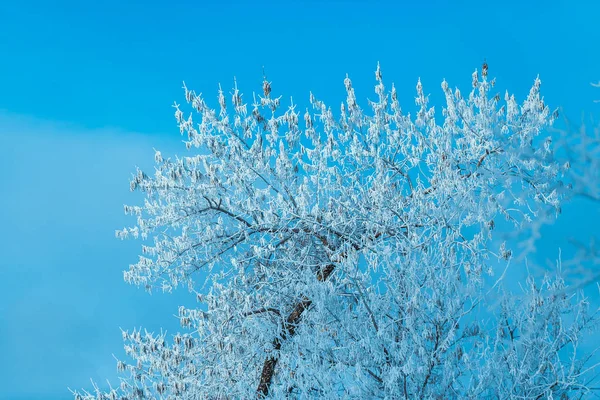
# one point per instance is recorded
(289, 329)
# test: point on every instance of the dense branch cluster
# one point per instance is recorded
(351, 256)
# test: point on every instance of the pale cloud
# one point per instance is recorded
(62, 296)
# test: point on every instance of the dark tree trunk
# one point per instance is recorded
(289, 329)
(289, 326)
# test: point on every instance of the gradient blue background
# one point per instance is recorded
(86, 90)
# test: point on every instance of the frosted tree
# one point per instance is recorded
(579, 147)
(353, 256)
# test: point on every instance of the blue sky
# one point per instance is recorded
(86, 90)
